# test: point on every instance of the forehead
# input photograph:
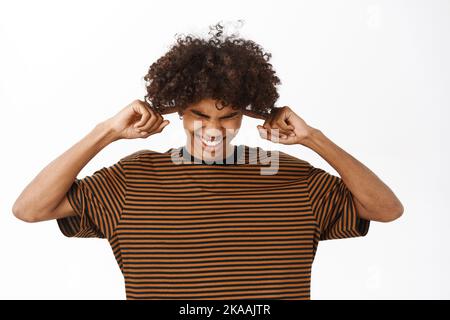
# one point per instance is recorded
(208, 106)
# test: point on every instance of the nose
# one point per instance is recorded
(212, 129)
(212, 133)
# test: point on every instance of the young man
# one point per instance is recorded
(216, 227)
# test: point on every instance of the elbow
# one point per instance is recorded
(392, 214)
(22, 214)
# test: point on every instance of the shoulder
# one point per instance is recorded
(285, 158)
(287, 164)
(290, 159)
(143, 155)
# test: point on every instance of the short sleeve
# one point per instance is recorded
(98, 201)
(333, 206)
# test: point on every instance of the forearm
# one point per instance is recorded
(49, 187)
(376, 198)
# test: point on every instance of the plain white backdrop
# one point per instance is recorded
(374, 76)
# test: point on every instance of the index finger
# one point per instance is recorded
(253, 114)
(165, 109)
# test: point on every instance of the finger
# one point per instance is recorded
(146, 134)
(262, 132)
(158, 126)
(284, 126)
(253, 114)
(144, 112)
(272, 133)
(266, 124)
(154, 121)
(167, 110)
(278, 122)
(287, 140)
(163, 124)
(157, 123)
(275, 134)
(268, 134)
(278, 130)
(163, 110)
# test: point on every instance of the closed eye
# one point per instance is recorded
(199, 114)
(230, 116)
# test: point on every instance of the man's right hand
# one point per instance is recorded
(136, 120)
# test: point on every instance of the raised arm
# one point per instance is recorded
(374, 200)
(44, 198)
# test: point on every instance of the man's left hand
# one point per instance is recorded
(285, 126)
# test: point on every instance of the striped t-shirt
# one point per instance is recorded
(181, 228)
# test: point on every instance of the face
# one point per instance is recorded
(209, 130)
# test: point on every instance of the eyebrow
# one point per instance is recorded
(204, 115)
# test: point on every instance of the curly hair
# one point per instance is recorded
(233, 71)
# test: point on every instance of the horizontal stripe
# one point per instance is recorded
(213, 231)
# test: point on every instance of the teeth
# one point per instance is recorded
(211, 143)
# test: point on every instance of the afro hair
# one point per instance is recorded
(233, 71)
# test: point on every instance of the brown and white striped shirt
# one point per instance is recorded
(193, 230)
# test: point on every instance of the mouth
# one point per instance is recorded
(208, 143)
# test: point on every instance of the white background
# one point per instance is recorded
(374, 76)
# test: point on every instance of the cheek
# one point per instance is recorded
(190, 125)
(234, 125)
